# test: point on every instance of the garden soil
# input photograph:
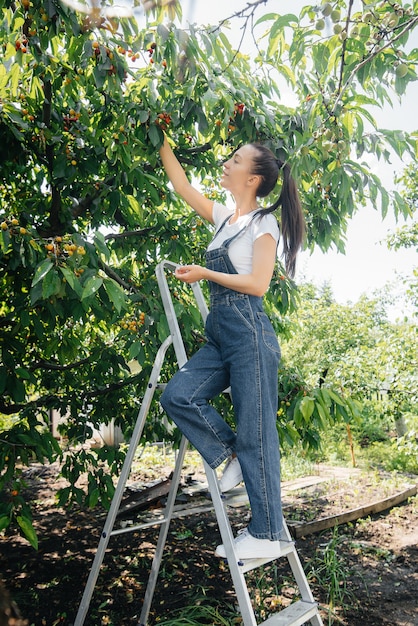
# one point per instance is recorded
(364, 573)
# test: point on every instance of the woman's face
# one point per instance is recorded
(236, 172)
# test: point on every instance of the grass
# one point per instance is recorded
(266, 586)
(197, 614)
(329, 571)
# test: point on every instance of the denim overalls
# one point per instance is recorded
(242, 352)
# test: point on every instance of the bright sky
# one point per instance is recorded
(367, 264)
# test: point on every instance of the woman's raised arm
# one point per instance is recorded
(175, 172)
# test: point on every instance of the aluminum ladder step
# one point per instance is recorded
(247, 565)
(293, 615)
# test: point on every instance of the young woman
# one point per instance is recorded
(242, 351)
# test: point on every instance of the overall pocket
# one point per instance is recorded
(267, 331)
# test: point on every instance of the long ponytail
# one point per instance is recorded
(292, 220)
(292, 223)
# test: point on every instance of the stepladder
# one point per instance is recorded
(303, 611)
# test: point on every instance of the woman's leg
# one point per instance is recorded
(254, 359)
(186, 401)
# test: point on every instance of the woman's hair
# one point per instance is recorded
(292, 225)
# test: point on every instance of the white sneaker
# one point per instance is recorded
(232, 475)
(249, 547)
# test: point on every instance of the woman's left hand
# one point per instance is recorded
(190, 273)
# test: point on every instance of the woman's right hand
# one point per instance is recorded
(190, 273)
(175, 172)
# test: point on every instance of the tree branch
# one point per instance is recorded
(85, 202)
(344, 47)
(250, 6)
(198, 149)
(47, 365)
(55, 224)
(112, 387)
(10, 409)
(247, 13)
(114, 276)
(128, 233)
(364, 62)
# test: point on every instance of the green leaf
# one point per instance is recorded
(155, 135)
(276, 35)
(99, 76)
(23, 373)
(4, 522)
(116, 294)
(385, 202)
(135, 205)
(14, 77)
(323, 414)
(41, 271)
(306, 407)
(298, 415)
(267, 18)
(92, 285)
(72, 280)
(135, 350)
(4, 240)
(28, 440)
(17, 390)
(142, 116)
(51, 284)
(3, 378)
(61, 166)
(28, 530)
(343, 413)
(100, 243)
(335, 397)
(94, 498)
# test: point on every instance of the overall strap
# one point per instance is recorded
(227, 242)
(240, 232)
(222, 225)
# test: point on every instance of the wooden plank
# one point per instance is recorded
(142, 499)
(301, 529)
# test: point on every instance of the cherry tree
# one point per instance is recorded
(86, 213)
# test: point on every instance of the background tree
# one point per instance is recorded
(407, 236)
(86, 213)
(358, 351)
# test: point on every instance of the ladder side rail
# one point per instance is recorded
(200, 299)
(162, 538)
(300, 577)
(239, 582)
(181, 357)
(238, 579)
(170, 312)
(316, 620)
(299, 574)
(117, 497)
(303, 585)
(297, 568)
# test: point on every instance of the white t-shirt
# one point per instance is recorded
(241, 249)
